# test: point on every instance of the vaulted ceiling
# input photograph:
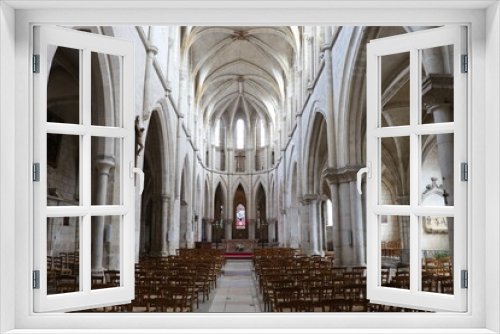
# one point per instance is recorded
(241, 71)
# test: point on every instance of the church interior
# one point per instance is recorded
(250, 139)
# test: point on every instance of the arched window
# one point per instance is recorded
(329, 215)
(217, 133)
(240, 217)
(240, 134)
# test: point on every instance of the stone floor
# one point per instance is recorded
(236, 290)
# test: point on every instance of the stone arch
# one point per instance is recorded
(219, 209)
(262, 230)
(316, 152)
(239, 198)
(152, 215)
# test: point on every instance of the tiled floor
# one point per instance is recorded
(236, 290)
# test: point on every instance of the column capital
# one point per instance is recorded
(309, 199)
(104, 164)
(437, 89)
(344, 174)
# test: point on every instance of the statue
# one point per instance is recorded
(138, 136)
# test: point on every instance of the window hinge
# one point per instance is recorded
(465, 279)
(465, 64)
(464, 171)
(36, 172)
(36, 63)
(36, 279)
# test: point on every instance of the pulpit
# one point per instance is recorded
(240, 246)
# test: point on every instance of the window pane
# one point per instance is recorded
(63, 85)
(395, 89)
(106, 171)
(240, 134)
(395, 251)
(63, 170)
(395, 171)
(437, 175)
(437, 84)
(106, 89)
(437, 254)
(63, 254)
(106, 251)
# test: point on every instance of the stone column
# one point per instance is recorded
(294, 225)
(228, 230)
(152, 51)
(104, 166)
(173, 228)
(404, 230)
(336, 235)
(208, 229)
(164, 227)
(252, 226)
(310, 51)
(346, 246)
(357, 226)
(171, 54)
(310, 203)
(437, 95)
(330, 114)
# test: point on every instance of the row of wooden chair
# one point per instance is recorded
(66, 263)
(391, 248)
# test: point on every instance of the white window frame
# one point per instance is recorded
(85, 43)
(484, 104)
(413, 43)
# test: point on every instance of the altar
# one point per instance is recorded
(240, 246)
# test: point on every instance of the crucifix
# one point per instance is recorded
(239, 163)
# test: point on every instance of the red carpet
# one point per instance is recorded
(238, 256)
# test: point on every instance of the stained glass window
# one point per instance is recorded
(240, 217)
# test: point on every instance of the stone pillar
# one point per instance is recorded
(152, 51)
(164, 227)
(270, 230)
(171, 54)
(404, 230)
(310, 204)
(358, 234)
(336, 235)
(294, 226)
(437, 95)
(346, 246)
(228, 230)
(252, 226)
(314, 227)
(310, 51)
(330, 114)
(208, 229)
(104, 166)
(173, 228)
